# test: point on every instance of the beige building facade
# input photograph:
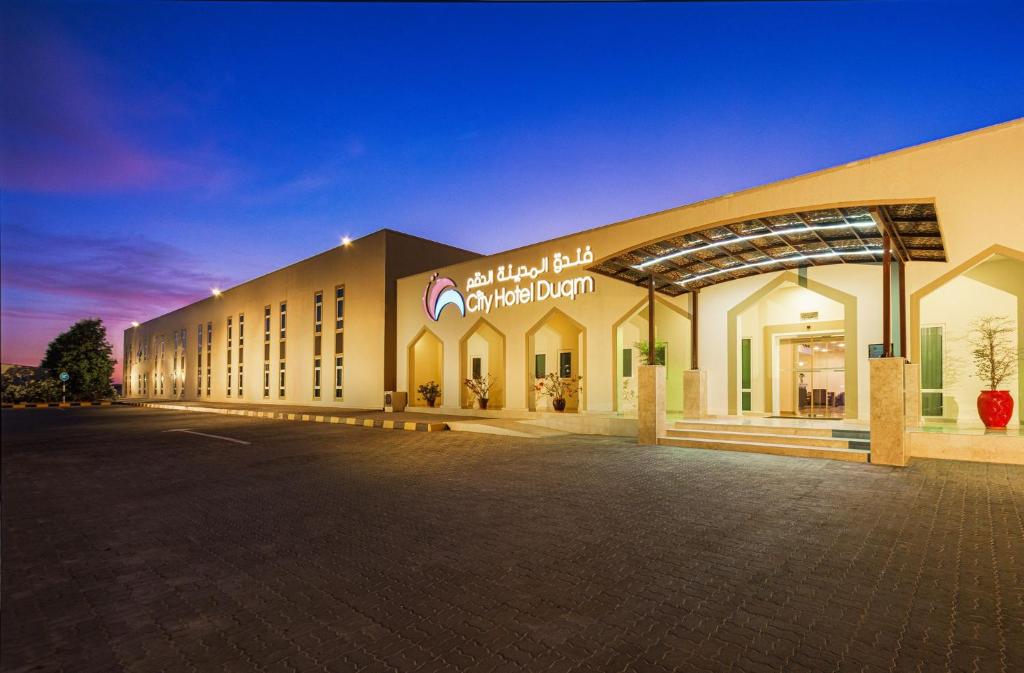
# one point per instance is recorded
(319, 332)
(787, 336)
(793, 341)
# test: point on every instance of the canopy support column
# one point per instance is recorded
(651, 348)
(886, 294)
(693, 329)
(902, 289)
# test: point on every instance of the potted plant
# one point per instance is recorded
(429, 391)
(645, 352)
(558, 389)
(481, 388)
(995, 360)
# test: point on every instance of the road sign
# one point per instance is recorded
(64, 376)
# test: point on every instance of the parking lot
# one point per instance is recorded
(132, 543)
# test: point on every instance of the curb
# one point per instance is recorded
(53, 405)
(413, 426)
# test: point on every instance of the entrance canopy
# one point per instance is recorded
(687, 261)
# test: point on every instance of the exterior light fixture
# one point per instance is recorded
(135, 323)
(778, 260)
(346, 241)
(754, 237)
(216, 291)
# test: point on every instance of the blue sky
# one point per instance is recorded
(152, 150)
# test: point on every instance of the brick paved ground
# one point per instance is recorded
(342, 549)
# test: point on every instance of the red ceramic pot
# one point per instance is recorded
(995, 408)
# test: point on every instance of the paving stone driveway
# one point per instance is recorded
(326, 548)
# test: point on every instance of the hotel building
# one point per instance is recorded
(768, 303)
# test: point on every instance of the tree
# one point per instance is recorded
(85, 354)
(992, 348)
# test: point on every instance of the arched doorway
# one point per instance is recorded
(792, 350)
(672, 339)
(989, 284)
(426, 363)
(556, 344)
(482, 353)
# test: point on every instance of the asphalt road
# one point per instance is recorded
(260, 545)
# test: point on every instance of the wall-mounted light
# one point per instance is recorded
(346, 241)
(216, 291)
(135, 323)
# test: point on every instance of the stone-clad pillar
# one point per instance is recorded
(650, 408)
(912, 394)
(889, 444)
(695, 394)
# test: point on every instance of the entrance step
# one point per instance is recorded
(773, 448)
(770, 436)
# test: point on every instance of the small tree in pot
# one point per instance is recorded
(481, 388)
(558, 389)
(993, 351)
(429, 391)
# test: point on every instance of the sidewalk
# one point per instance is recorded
(370, 418)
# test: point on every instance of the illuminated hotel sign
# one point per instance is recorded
(527, 286)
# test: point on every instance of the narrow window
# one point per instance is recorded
(316, 378)
(338, 377)
(477, 366)
(228, 360)
(266, 379)
(318, 312)
(280, 381)
(932, 351)
(565, 364)
(284, 318)
(240, 373)
(229, 381)
(627, 362)
(745, 359)
(339, 307)
(241, 330)
(209, 356)
(540, 365)
(199, 361)
(266, 324)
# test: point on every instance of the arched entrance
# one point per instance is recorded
(792, 350)
(426, 363)
(555, 344)
(630, 335)
(989, 284)
(482, 353)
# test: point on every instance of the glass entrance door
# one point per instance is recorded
(812, 376)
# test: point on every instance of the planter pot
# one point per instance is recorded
(995, 408)
(430, 402)
(558, 404)
(483, 402)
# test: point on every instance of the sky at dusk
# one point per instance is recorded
(151, 151)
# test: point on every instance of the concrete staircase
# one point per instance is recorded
(773, 438)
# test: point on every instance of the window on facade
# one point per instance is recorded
(627, 362)
(540, 365)
(280, 381)
(266, 379)
(266, 324)
(932, 348)
(565, 364)
(284, 318)
(240, 373)
(229, 333)
(318, 312)
(229, 381)
(316, 378)
(338, 377)
(339, 307)
(209, 357)
(477, 366)
(745, 374)
(241, 330)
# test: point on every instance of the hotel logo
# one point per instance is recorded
(441, 292)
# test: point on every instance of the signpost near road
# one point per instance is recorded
(64, 376)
